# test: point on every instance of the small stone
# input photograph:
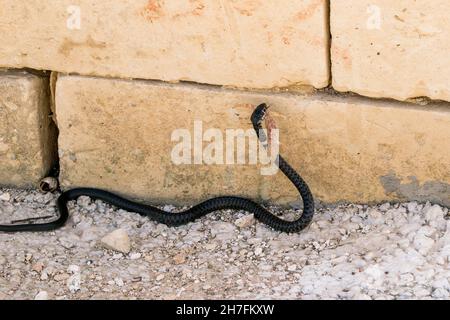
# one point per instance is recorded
(210, 246)
(118, 282)
(406, 278)
(245, 221)
(385, 206)
(67, 243)
(222, 231)
(90, 234)
(42, 295)
(5, 196)
(38, 267)
(135, 256)
(421, 292)
(169, 208)
(179, 258)
(412, 207)
(61, 277)
(423, 244)
(258, 251)
(83, 201)
(441, 283)
(160, 277)
(73, 269)
(434, 216)
(440, 293)
(74, 283)
(292, 267)
(375, 216)
(117, 240)
(374, 271)
(351, 226)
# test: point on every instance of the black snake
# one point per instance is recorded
(197, 211)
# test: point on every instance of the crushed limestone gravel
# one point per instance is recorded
(389, 251)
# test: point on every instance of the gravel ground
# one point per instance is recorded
(390, 251)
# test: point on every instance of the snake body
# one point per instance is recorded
(197, 211)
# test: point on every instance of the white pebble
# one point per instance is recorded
(421, 292)
(169, 208)
(73, 269)
(245, 221)
(5, 196)
(423, 244)
(374, 271)
(135, 256)
(292, 267)
(74, 283)
(160, 277)
(440, 293)
(42, 295)
(118, 282)
(117, 240)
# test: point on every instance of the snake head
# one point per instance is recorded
(259, 114)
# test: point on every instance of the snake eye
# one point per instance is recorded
(264, 111)
(262, 108)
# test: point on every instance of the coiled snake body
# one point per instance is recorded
(197, 211)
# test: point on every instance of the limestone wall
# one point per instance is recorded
(360, 93)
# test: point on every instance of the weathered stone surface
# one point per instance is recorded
(27, 134)
(116, 134)
(396, 49)
(250, 43)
